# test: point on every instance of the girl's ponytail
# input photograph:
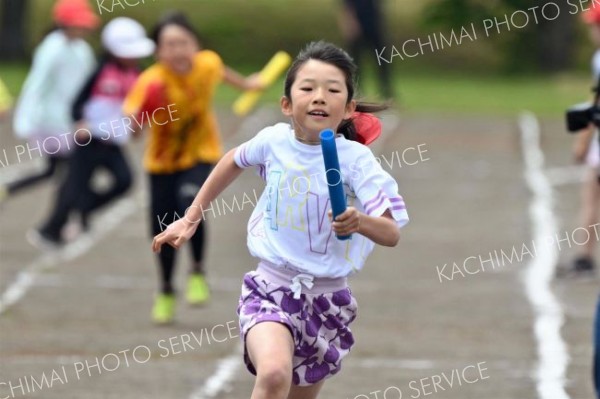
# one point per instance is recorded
(363, 126)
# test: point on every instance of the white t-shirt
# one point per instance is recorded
(289, 226)
(60, 69)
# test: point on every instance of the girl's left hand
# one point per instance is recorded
(347, 222)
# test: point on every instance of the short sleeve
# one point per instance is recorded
(212, 65)
(147, 94)
(38, 79)
(253, 151)
(135, 97)
(376, 190)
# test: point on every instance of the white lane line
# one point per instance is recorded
(108, 222)
(220, 381)
(10, 172)
(551, 348)
(26, 278)
(122, 282)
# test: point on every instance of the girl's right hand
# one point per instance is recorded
(176, 234)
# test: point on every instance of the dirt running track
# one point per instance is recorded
(418, 333)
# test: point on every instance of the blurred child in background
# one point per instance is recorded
(184, 141)
(587, 149)
(61, 65)
(361, 24)
(102, 128)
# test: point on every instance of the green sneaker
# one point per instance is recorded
(197, 290)
(163, 311)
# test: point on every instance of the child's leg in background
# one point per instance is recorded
(188, 186)
(52, 164)
(80, 167)
(271, 348)
(162, 213)
(112, 158)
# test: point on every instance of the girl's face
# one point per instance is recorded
(176, 49)
(318, 99)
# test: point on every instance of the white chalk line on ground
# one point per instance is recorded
(219, 381)
(551, 348)
(121, 282)
(104, 225)
(12, 172)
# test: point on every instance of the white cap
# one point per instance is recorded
(125, 38)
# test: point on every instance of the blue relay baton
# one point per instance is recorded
(337, 196)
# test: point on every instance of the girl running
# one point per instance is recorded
(61, 65)
(175, 98)
(296, 307)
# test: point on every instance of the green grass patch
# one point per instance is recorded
(432, 91)
(461, 93)
(13, 75)
(469, 93)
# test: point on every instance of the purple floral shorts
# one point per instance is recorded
(318, 322)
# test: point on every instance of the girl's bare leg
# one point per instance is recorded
(271, 348)
(309, 392)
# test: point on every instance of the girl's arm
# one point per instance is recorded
(183, 229)
(382, 230)
(234, 79)
(33, 90)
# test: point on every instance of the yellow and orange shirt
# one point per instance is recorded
(178, 111)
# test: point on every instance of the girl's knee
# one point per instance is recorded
(275, 376)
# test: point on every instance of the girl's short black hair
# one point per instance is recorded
(173, 18)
